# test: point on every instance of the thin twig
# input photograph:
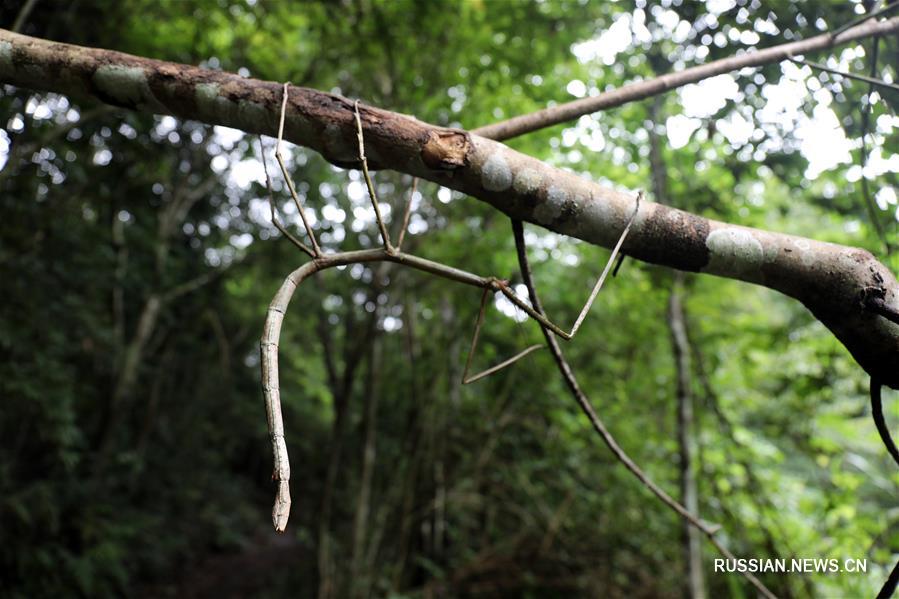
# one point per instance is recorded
(871, 80)
(598, 425)
(880, 422)
(863, 18)
(272, 332)
(640, 90)
(889, 587)
(618, 265)
(866, 125)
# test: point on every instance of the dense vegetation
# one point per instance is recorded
(137, 261)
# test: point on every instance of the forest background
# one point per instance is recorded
(137, 260)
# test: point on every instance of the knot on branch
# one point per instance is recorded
(446, 150)
(871, 295)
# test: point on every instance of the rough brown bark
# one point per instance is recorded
(832, 281)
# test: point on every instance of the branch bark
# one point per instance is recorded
(830, 280)
(640, 90)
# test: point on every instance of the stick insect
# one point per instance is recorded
(386, 253)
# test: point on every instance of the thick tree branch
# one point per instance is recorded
(831, 280)
(640, 90)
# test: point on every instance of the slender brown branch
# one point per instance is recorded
(600, 428)
(870, 80)
(640, 90)
(865, 17)
(272, 332)
(866, 124)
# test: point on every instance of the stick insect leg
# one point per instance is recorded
(546, 323)
(385, 236)
(271, 205)
(474, 345)
(293, 192)
(407, 214)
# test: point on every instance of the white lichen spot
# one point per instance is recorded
(527, 180)
(254, 114)
(207, 92)
(6, 55)
(733, 251)
(847, 260)
(128, 85)
(551, 208)
(210, 101)
(496, 174)
(806, 256)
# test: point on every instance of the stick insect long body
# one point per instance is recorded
(387, 253)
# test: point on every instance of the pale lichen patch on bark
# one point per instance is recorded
(733, 250)
(127, 85)
(6, 56)
(551, 208)
(803, 248)
(495, 173)
(256, 113)
(211, 102)
(527, 181)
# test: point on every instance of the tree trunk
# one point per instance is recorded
(677, 325)
(360, 578)
(689, 496)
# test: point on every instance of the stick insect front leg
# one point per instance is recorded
(540, 318)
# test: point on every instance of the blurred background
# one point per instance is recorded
(137, 261)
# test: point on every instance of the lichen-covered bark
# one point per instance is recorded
(831, 280)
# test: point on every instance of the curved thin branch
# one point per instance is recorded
(584, 402)
(889, 587)
(865, 17)
(640, 90)
(880, 421)
(865, 78)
